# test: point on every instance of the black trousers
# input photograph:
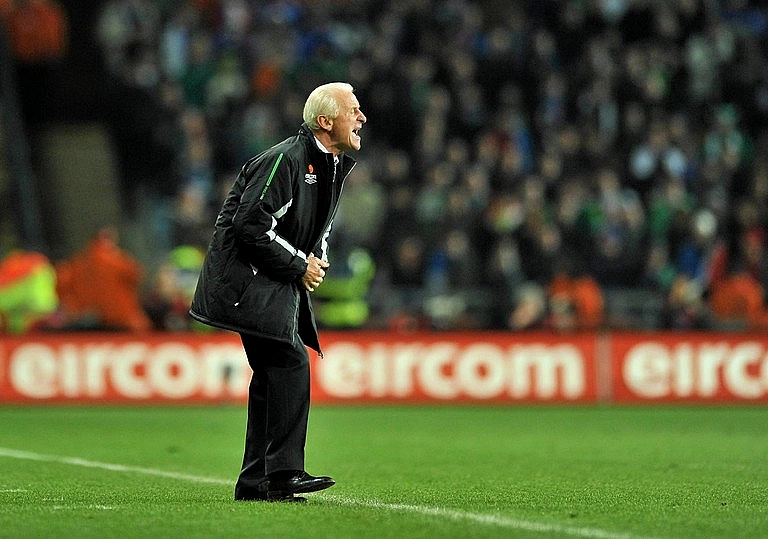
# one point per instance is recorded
(278, 410)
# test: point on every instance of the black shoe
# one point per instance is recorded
(282, 484)
(251, 492)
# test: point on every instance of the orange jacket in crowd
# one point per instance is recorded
(37, 29)
(739, 297)
(583, 298)
(102, 283)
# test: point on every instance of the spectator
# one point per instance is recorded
(172, 288)
(530, 308)
(99, 287)
(703, 254)
(362, 210)
(684, 306)
(38, 32)
(576, 301)
(750, 241)
(737, 302)
(191, 218)
(616, 231)
(27, 291)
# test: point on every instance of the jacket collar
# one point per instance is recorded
(346, 160)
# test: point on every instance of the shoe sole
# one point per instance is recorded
(288, 499)
(313, 488)
(274, 498)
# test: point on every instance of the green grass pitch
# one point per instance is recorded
(404, 472)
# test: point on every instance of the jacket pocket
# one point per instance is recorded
(269, 306)
(248, 283)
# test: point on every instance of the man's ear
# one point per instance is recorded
(325, 123)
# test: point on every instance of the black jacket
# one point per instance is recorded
(280, 209)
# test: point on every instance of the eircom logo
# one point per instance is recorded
(126, 371)
(450, 371)
(697, 370)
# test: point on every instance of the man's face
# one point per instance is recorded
(344, 128)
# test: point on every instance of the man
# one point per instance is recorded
(267, 254)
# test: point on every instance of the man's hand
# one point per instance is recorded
(315, 273)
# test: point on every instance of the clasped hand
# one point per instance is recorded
(315, 272)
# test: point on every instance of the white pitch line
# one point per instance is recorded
(451, 514)
(93, 507)
(26, 455)
(480, 518)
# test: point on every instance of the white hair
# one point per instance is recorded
(324, 101)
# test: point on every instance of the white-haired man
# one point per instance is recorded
(268, 252)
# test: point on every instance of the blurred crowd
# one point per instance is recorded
(522, 160)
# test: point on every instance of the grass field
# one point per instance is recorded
(72, 472)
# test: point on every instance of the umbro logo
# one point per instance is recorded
(310, 178)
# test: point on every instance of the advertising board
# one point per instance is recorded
(379, 367)
(694, 367)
